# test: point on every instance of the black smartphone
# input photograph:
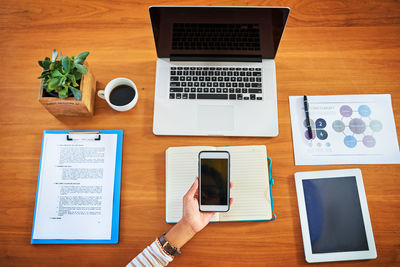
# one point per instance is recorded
(214, 179)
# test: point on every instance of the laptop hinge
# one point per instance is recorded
(231, 58)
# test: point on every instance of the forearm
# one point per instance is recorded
(154, 254)
(191, 223)
(180, 234)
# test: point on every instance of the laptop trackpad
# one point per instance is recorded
(215, 118)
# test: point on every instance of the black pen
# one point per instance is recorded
(310, 135)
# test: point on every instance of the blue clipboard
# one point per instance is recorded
(116, 198)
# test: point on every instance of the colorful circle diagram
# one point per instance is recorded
(318, 129)
(360, 129)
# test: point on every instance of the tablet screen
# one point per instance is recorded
(334, 215)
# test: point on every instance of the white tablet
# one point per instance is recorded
(334, 216)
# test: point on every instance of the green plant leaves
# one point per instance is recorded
(79, 59)
(53, 83)
(66, 64)
(63, 93)
(45, 73)
(56, 73)
(62, 74)
(77, 94)
(82, 69)
(77, 75)
(54, 55)
(73, 80)
(46, 64)
(62, 81)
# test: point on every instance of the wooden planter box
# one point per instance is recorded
(70, 106)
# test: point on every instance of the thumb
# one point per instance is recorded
(193, 189)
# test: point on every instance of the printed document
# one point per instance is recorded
(346, 129)
(76, 186)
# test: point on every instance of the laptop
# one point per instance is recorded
(215, 71)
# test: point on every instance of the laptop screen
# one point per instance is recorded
(218, 31)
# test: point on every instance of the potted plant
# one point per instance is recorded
(67, 85)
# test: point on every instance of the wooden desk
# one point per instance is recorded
(329, 47)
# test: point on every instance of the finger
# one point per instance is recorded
(230, 185)
(230, 201)
(193, 189)
(196, 194)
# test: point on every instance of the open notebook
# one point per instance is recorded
(249, 174)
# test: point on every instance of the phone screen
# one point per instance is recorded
(214, 182)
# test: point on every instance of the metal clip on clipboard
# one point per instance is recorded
(70, 134)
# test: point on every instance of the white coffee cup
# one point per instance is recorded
(105, 94)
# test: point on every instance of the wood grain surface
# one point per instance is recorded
(329, 47)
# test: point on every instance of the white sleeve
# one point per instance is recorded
(152, 255)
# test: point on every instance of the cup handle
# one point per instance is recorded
(100, 94)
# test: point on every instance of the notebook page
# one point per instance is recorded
(181, 171)
(249, 174)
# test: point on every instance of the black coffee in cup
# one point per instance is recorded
(122, 95)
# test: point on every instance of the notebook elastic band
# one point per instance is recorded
(271, 182)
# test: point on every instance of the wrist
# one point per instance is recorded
(180, 234)
(187, 224)
(167, 247)
(187, 227)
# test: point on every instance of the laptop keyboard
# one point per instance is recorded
(205, 36)
(215, 83)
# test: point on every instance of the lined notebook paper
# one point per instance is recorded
(249, 175)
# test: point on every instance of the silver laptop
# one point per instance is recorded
(216, 70)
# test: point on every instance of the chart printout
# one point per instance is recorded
(346, 129)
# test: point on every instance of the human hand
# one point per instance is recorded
(192, 215)
(193, 220)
